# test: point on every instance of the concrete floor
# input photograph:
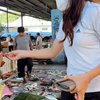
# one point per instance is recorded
(53, 69)
(49, 67)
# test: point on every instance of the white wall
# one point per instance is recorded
(33, 29)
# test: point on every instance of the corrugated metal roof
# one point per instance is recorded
(36, 8)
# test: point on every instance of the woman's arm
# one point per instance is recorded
(94, 72)
(47, 53)
(82, 81)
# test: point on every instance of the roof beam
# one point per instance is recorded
(9, 12)
(30, 8)
(36, 8)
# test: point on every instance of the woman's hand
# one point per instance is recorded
(82, 82)
(17, 54)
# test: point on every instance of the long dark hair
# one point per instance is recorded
(71, 17)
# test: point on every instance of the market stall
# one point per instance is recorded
(39, 85)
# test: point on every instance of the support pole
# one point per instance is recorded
(22, 19)
(7, 21)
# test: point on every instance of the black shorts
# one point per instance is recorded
(21, 63)
(11, 48)
(88, 96)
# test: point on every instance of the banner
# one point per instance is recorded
(56, 17)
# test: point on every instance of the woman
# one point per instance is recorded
(79, 36)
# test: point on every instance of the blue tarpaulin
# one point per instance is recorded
(43, 34)
(13, 34)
